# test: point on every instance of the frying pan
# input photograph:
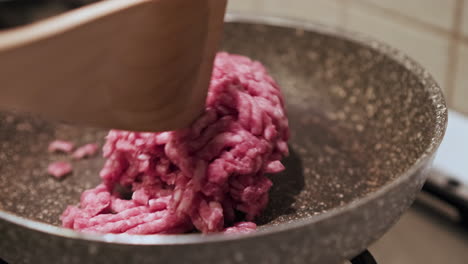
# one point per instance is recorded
(365, 121)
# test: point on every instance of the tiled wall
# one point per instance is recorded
(434, 32)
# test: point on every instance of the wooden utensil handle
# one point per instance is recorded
(139, 65)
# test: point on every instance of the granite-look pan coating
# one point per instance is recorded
(365, 120)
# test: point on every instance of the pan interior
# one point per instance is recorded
(358, 120)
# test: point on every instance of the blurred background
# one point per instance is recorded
(433, 32)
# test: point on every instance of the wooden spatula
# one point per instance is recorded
(129, 64)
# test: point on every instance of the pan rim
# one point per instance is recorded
(439, 127)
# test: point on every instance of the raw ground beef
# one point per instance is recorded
(61, 146)
(205, 177)
(87, 150)
(59, 169)
(62, 168)
(241, 228)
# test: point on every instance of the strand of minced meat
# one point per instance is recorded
(61, 146)
(196, 178)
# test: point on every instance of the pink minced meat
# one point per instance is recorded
(59, 169)
(84, 151)
(196, 178)
(241, 228)
(61, 146)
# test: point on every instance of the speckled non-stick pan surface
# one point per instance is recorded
(365, 123)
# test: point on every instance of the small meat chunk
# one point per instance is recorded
(59, 169)
(61, 146)
(85, 151)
